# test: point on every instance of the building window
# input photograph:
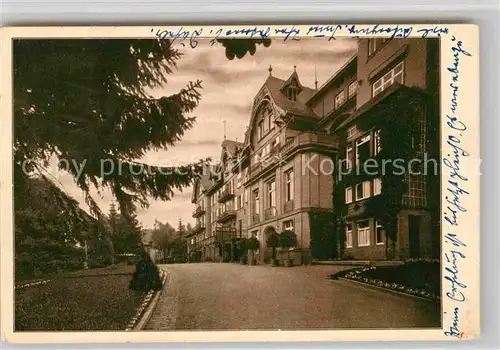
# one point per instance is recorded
(239, 202)
(246, 195)
(416, 192)
(256, 202)
(269, 119)
(339, 99)
(238, 180)
(353, 88)
(377, 186)
(348, 195)
(348, 157)
(363, 233)
(292, 93)
(379, 233)
(375, 43)
(288, 225)
(271, 194)
(376, 142)
(348, 235)
(289, 183)
(395, 75)
(363, 190)
(362, 149)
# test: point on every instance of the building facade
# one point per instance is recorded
(286, 175)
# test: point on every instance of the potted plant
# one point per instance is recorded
(253, 245)
(243, 247)
(272, 240)
(287, 240)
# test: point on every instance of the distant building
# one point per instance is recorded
(147, 242)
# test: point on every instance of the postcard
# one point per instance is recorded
(240, 183)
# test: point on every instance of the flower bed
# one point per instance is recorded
(418, 277)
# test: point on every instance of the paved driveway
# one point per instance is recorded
(211, 296)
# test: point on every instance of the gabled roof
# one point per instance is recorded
(231, 147)
(203, 182)
(289, 81)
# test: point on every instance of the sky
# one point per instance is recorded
(229, 87)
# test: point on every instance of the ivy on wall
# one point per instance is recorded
(398, 120)
(399, 123)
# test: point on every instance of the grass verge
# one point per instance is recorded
(88, 300)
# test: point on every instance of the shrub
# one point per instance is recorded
(147, 275)
(273, 241)
(287, 239)
(253, 243)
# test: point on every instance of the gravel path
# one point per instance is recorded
(209, 296)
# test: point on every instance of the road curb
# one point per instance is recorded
(148, 312)
(388, 290)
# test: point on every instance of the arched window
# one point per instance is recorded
(264, 120)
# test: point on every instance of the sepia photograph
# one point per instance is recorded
(231, 184)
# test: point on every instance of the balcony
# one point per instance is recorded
(226, 195)
(224, 234)
(255, 218)
(269, 213)
(310, 139)
(199, 211)
(226, 216)
(288, 206)
(303, 140)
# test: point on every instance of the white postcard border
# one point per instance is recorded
(460, 262)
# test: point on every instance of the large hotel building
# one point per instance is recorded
(284, 176)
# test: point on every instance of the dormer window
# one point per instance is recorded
(293, 91)
(292, 88)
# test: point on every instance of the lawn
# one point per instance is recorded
(419, 275)
(98, 299)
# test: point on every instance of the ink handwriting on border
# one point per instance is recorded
(455, 289)
(285, 33)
